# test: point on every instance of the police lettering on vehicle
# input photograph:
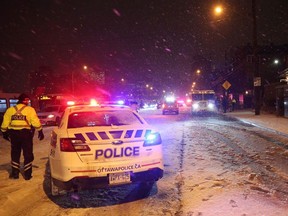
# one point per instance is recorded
(118, 152)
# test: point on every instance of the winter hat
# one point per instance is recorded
(22, 97)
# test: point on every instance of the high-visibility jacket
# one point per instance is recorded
(20, 117)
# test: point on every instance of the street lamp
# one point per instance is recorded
(218, 10)
(276, 61)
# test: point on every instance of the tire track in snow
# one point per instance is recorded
(271, 181)
(180, 179)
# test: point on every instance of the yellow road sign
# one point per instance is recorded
(226, 85)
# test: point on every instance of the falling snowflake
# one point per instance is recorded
(16, 56)
(116, 12)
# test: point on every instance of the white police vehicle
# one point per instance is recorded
(100, 146)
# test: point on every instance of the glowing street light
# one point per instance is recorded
(218, 10)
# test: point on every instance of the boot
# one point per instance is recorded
(28, 177)
(28, 171)
(28, 174)
(14, 174)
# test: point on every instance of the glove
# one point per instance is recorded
(40, 135)
(6, 136)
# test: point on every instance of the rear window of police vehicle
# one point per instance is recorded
(102, 118)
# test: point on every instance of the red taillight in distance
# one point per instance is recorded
(73, 145)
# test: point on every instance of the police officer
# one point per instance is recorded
(16, 127)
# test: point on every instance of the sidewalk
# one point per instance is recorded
(265, 120)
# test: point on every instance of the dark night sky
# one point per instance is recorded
(128, 38)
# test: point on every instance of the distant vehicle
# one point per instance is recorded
(203, 101)
(103, 146)
(170, 107)
(55, 99)
(51, 115)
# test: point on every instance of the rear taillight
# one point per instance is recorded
(73, 145)
(152, 139)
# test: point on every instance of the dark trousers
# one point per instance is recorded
(21, 140)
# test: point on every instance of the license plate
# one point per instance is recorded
(119, 178)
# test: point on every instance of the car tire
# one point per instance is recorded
(54, 189)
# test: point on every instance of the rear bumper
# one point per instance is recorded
(43, 122)
(103, 182)
(204, 109)
(170, 110)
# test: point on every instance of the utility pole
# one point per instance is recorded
(256, 73)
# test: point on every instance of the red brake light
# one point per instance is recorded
(73, 145)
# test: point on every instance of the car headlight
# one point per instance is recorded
(51, 116)
(195, 106)
(211, 106)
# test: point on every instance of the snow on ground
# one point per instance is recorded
(265, 120)
(196, 182)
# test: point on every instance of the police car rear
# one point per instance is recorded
(100, 146)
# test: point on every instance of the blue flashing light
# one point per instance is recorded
(153, 139)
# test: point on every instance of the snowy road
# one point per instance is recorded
(213, 166)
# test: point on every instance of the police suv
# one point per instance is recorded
(100, 146)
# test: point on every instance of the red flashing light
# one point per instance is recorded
(70, 103)
(93, 102)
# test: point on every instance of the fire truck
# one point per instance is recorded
(203, 101)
